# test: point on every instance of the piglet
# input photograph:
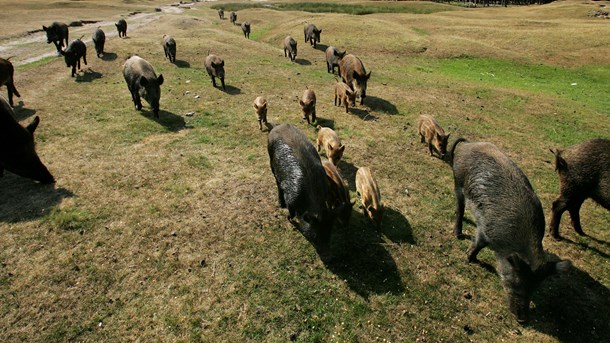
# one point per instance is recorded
(367, 188)
(260, 107)
(344, 95)
(431, 132)
(308, 105)
(328, 139)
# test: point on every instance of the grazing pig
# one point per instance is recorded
(245, 26)
(301, 182)
(367, 188)
(260, 106)
(353, 73)
(6, 78)
(143, 82)
(216, 69)
(73, 54)
(344, 95)
(509, 217)
(338, 196)
(328, 139)
(308, 105)
(121, 26)
(169, 47)
(17, 153)
(290, 47)
(233, 18)
(312, 34)
(57, 33)
(99, 39)
(333, 56)
(584, 172)
(221, 14)
(431, 131)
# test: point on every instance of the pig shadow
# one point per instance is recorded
(321, 47)
(362, 114)
(24, 199)
(396, 227)
(231, 90)
(22, 112)
(348, 172)
(587, 246)
(324, 122)
(182, 64)
(88, 75)
(573, 307)
(302, 61)
(169, 120)
(359, 257)
(381, 105)
(109, 56)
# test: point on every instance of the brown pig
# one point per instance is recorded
(332, 145)
(260, 106)
(6, 78)
(344, 95)
(367, 188)
(431, 132)
(584, 172)
(290, 48)
(338, 196)
(353, 73)
(308, 105)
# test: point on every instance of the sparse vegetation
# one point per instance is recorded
(169, 229)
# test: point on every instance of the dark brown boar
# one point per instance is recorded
(509, 217)
(353, 73)
(333, 56)
(99, 39)
(245, 27)
(312, 34)
(221, 13)
(215, 66)
(338, 199)
(143, 82)
(308, 105)
(290, 48)
(7, 72)
(431, 132)
(233, 17)
(584, 172)
(169, 47)
(17, 153)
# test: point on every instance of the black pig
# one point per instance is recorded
(99, 39)
(121, 26)
(73, 54)
(17, 153)
(57, 33)
(143, 82)
(169, 46)
(6, 78)
(245, 26)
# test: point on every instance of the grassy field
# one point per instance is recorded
(169, 229)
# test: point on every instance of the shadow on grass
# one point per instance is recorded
(396, 227)
(22, 112)
(302, 61)
(325, 122)
(182, 64)
(362, 114)
(169, 120)
(348, 172)
(109, 56)
(231, 90)
(359, 257)
(588, 247)
(573, 307)
(321, 47)
(88, 75)
(381, 105)
(24, 199)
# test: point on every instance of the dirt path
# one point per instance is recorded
(33, 46)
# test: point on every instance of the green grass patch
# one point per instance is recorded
(69, 219)
(329, 7)
(35, 64)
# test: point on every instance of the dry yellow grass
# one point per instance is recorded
(169, 230)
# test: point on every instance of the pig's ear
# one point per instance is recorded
(319, 31)
(308, 217)
(33, 125)
(368, 76)
(301, 103)
(447, 136)
(45, 28)
(143, 81)
(255, 107)
(342, 148)
(330, 147)
(370, 209)
(222, 63)
(355, 75)
(160, 79)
